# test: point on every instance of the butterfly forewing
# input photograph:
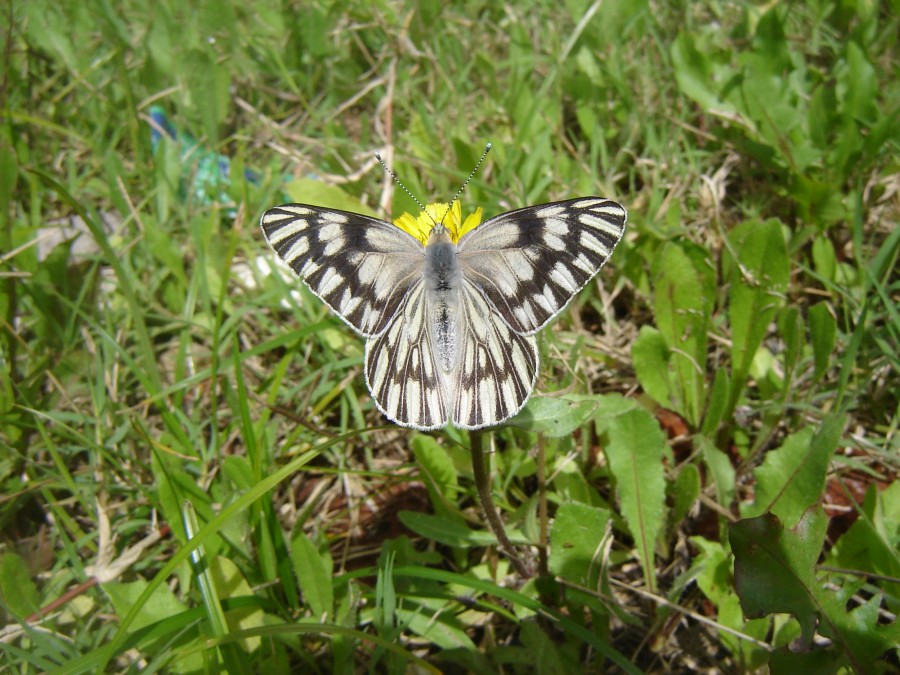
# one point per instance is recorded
(531, 262)
(359, 266)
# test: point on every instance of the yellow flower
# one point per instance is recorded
(420, 226)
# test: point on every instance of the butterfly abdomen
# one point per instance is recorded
(443, 277)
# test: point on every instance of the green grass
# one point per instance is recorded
(194, 476)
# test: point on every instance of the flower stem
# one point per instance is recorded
(483, 485)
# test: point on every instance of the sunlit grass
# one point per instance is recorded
(170, 372)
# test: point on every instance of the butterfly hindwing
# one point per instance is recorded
(497, 367)
(491, 380)
(361, 267)
(531, 262)
(402, 371)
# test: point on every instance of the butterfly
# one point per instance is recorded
(449, 325)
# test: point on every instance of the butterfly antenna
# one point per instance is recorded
(398, 181)
(487, 149)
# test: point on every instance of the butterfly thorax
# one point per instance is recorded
(442, 282)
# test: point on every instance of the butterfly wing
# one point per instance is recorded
(496, 369)
(401, 369)
(361, 267)
(492, 379)
(531, 262)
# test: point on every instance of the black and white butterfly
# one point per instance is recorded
(449, 326)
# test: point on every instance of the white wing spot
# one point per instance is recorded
(284, 231)
(482, 358)
(382, 289)
(563, 277)
(529, 312)
(496, 345)
(378, 376)
(342, 304)
(392, 400)
(547, 304)
(599, 224)
(550, 211)
(333, 247)
(330, 230)
(557, 226)
(549, 297)
(506, 282)
(591, 243)
(521, 315)
(518, 261)
(332, 217)
(330, 281)
(587, 203)
(413, 399)
(582, 262)
(506, 394)
(298, 210)
(487, 398)
(299, 248)
(554, 242)
(427, 367)
(368, 270)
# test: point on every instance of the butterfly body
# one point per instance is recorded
(450, 325)
(443, 277)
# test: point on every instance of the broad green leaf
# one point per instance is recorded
(450, 532)
(160, 606)
(570, 484)
(683, 492)
(554, 416)
(758, 282)
(792, 477)
(317, 193)
(694, 73)
(712, 570)
(717, 402)
(162, 603)
(790, 325)
(650, 355)
(635, 453)
(17, 591)
(681, 306)
(824, 258)
(230, 583)
(774, 567)
(822, 332)
(543, 654)
(858, 84)
(576, 542)
(817, 662)
(310, 35)
(313, 570)
(721, 469)
(439, 473)
(872, 544)
(440, 629)
(774, 572)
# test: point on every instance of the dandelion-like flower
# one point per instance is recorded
(420, 226)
